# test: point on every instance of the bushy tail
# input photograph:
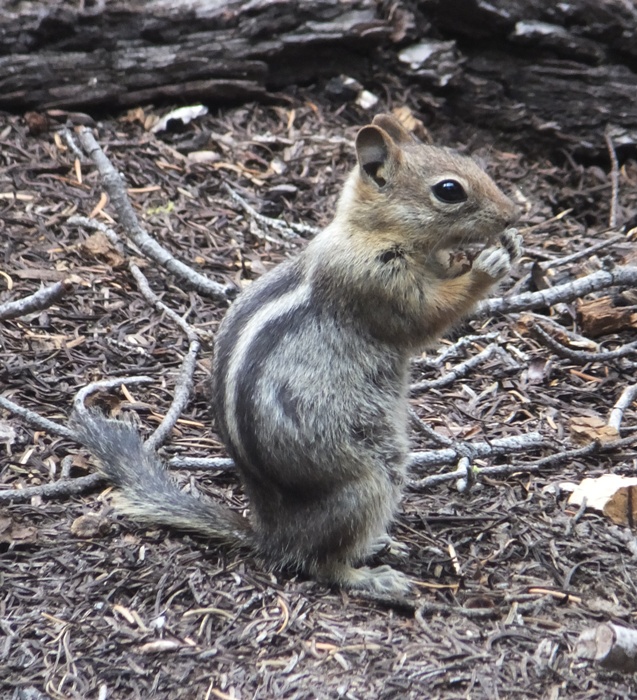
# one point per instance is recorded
(146, 493)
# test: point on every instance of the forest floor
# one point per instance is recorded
(508, 573)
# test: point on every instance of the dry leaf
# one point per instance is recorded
(98, 245)
(203, 157)
(586, 429)
(14, 533)
(89, 525)
(613, 495)
(134, 115)
(406, 117)
(181, 114)
(366, 99)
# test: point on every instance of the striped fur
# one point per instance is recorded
(310, 376)
(309, 382)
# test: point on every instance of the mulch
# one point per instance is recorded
(94, 606)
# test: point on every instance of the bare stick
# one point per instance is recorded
(623, 402)
(286, 230)
(614, 179)
(185, 380)
(499, 446)
(582, 356)
(266, 221)
(573, 257)
(159, 305)
(55, 489)
(568, 259)
(421, 427)
(184, 384)
(458, 372)
(623, 276)
(36, 420)
(562, 330)
(104, 385)
(116, 189)
(531, 467)
(41, 299)
(468, 478)
(446, 352)
(428, 458)
(453, 609)
(70, 142)
(201, 463)
(183, 389)
(612, 646)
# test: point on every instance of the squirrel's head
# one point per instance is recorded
(433, 196)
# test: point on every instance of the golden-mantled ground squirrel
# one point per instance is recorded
(309, 384)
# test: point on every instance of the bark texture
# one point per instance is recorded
(560, 73)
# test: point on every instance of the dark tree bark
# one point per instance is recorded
(121, 54)
(560, 73)
(553, 72)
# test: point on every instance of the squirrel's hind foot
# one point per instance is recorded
(382, 580)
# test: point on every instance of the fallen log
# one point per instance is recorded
(542, 73)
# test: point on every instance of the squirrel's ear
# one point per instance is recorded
(377, 154)
(394, 128)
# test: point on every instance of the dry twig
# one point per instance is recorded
(417, 459)
(116, 189)
(427, 431)
(531, 467)
(287, 231)
(582, 356)
(185, 381)
(42, 299)
(612, 646)
(201, 463)
(36, 420)
(623, 402)
(459, 371)
(474, 450)
(614, 179)
(103, 385)
(55, 489)
(446, 352)
(580, 254)
(625, 276)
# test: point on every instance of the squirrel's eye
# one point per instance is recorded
(449, 192)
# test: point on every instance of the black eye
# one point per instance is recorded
(449, 192)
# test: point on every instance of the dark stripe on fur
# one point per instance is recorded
(281, 281)
(277, 331)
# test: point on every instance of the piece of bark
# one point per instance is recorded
(600, 317)
(121, 54)
(611, 646)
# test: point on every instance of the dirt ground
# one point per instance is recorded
(508, 574)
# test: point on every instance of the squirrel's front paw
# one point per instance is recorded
(512, 242)
(493, 262)
(496, 262)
